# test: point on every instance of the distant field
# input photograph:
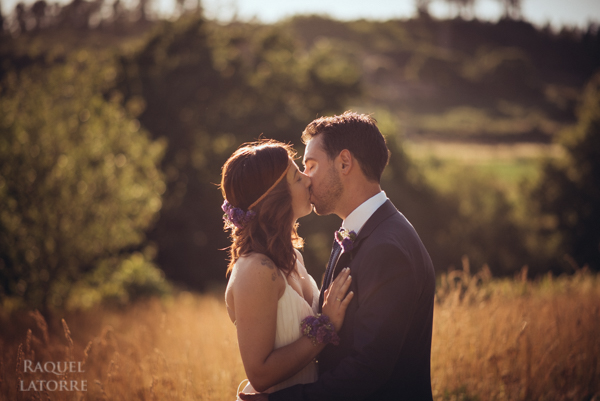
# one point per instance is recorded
(466, 152)
(508, 163)
(492, 340)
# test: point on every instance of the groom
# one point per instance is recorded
(385, 347)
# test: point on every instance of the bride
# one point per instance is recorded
(270, 297)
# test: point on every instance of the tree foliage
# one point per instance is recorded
(569, 190)
(207, 89)
(472, 218)
(79, 182)
(74, 156)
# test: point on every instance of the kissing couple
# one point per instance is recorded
(366, 335)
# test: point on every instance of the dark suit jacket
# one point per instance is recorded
(385, 346)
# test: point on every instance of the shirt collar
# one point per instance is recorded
(359, 216)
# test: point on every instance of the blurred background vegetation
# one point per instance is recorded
(114, 128)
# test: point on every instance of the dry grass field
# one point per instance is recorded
(517, 339)
(493, 340)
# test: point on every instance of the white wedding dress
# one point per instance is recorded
(291, 309)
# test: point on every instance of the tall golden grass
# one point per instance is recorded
(492, 340)
(516, 339)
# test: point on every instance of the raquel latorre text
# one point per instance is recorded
(57, 368)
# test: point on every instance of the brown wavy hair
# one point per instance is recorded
(246, 176)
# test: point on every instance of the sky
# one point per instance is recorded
(540, 12)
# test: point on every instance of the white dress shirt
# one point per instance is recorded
(359, 216)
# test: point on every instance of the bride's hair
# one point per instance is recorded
(247, 175)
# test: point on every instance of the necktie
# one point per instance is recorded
(335, 255)
(338, 248)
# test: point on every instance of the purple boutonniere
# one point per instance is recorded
(346, 239)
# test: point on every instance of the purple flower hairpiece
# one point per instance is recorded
(234, 216)
(346, 239)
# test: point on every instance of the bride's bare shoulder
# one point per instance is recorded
(254, 277)
(300, 264)
(255, 261)
(256, 266)
(299, 256)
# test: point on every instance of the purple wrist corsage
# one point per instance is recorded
(346, 239)
(319, 329)
(236, 216)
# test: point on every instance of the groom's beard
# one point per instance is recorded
(326, 196)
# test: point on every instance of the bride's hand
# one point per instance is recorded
(253, 396)
(335, 299)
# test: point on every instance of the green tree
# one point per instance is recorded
(79, 182)
(569, 191)
(209, 88)
(471, 217)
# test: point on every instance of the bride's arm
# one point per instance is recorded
(256, 293)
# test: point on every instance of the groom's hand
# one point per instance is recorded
(254, 396)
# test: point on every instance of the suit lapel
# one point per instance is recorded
(384, 212)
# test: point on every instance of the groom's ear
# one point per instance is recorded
(346, 161)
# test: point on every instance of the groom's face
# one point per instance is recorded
(326, 187)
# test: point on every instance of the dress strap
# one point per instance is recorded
(242, 385)
(284, 279)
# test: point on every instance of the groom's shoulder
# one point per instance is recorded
(395, 230)
(396, 238)
(393, 223)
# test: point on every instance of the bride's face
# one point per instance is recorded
(299, 184)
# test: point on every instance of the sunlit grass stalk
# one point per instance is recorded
(509, 339)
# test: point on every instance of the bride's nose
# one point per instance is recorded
(307, 181)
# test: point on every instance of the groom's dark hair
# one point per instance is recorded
(356, 132)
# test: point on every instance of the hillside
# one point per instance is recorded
(198, 88)
(465, 79)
